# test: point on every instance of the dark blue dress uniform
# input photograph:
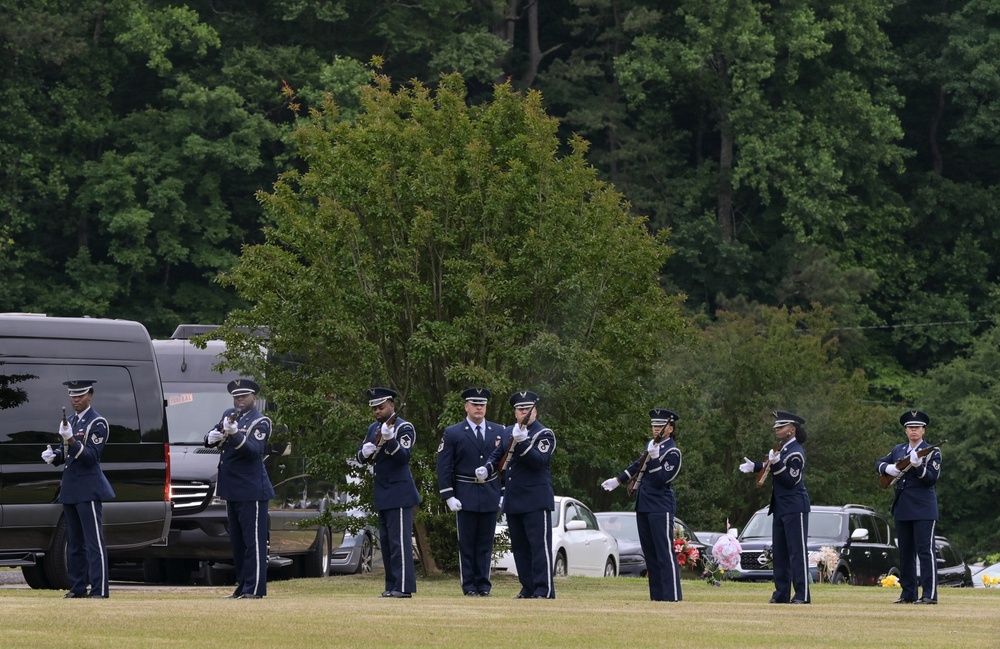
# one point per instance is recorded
(461, 452)
(915, 510)
(655, 508)
(245, 486)
(395, 495)
(528, 501)
(83, 490)
(789, 510)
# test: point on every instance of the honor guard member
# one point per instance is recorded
(789, 508)
(465, 447)
(655, 505)
(915, 508)
(242, 435)
(525, 451)
(387, 447)
(83, 491)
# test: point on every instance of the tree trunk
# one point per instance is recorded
(424, 548)
(534, 51)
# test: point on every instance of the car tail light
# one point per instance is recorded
(166, 484)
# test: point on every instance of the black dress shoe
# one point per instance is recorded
(471, 593)
(925, 600)
(71, 595)
(522, 596)
(484, 593)
(903, 600)
(399, 594)
(97, 596)
(249, 596)
(775, 601)
(798, 601)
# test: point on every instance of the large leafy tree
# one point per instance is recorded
(725, 382)
(430, 246)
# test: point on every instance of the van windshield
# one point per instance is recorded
(193, 409)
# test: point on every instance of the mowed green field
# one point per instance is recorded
(603, 613)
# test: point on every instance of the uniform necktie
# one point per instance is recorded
(479, 433)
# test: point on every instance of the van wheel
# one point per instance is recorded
(839, 577)
(317, 562)
(367, 555)
(152, 571)
(609, 568)
(219, 577)
(35, 577)
(56, 561)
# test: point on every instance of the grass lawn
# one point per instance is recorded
(602, 613)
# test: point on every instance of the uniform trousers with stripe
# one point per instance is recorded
(791, 559)
(656, 536)
(531, 545)
(87, 555)
(916, 542)
(475, 549)
(248, 529)
(395, 530)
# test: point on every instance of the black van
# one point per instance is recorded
(198, 548)
(38, 353)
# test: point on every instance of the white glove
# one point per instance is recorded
(747, 466)
(520, 434)
(773, 456)
(482, 473)
(890, 469)
(65, 430)
(215, 436)
(653, 449)
(454, 504)
(610, 484)
(915, 460)
(48, 454)
(368, 449)
(388, 433)
(229, 428)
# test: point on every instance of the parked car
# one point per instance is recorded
(37, 354)
(951, 567)
(198, 546)
(579, 545)
(992, 571)
(622, 525)
(858, 533)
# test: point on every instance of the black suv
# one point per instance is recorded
(858, 533)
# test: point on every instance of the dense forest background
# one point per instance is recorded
(826, 173)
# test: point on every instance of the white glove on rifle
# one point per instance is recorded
(48, 454)
(368, 449)
(653, 449)
(890, 469)
(482, 473)
(915, 460)
(747, 466)
(388, 433)
(228, 427)
(773, 456)
(65, 431)
(214, 437)
(520, 434)
(454, 504)
(610, 484)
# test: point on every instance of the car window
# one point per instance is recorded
(33, 417)
(826, 525)
(759, 527)
(883, 529)
(947, 554)
(621, 527)
(681, 530)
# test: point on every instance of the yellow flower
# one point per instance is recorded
(889, 581)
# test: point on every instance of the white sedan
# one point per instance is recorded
(579, 545)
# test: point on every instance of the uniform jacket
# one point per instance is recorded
(788, 487)
(915, 498)
(655, 493)
(82, 479)
(242, 476)
(394, 485)
(458, 457)
(527, 485)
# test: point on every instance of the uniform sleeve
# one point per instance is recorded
(253, 441)
(928, 472)
(630, 472)
(536, 451)
(882, 462)
(787, 471)
(88, 453)
(493, 462)
(664, 469)
(398, 448)
(446, 467)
